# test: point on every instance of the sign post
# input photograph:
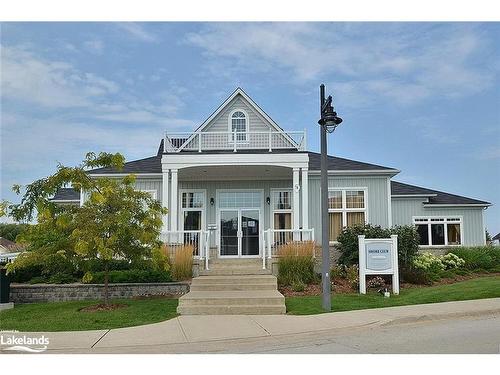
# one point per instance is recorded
(378, 256)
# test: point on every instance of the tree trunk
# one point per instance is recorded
(106, 289)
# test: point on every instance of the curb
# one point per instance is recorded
(431, 317)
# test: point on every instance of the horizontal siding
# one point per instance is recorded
(150, 184)
(377, 214)
(212, 187)
(403, 210)
(220, 123)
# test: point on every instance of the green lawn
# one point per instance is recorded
(483, 287)
(64, 316)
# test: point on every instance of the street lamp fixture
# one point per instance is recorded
(328, 123)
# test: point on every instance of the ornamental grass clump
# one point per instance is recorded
(182, 264)
(479, 258)
(296, 264)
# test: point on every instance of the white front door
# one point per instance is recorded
(239, 233)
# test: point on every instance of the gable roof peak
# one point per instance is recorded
(229, 99)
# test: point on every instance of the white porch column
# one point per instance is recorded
(173, 203)
(296, 198)
(164, 195)
(305, 198)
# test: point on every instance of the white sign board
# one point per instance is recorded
(378, 256)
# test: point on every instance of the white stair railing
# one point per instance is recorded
(275, 238)
(199, 239)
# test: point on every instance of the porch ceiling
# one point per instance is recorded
(231, 172)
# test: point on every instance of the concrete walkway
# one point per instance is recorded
(184, 331)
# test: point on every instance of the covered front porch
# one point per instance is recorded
(232, 206)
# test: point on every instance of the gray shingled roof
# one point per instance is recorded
(147, 165)
(66, 194)
(435, 196)
(340, 164)
(153, 163)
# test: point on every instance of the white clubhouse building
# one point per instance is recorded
(240, 183)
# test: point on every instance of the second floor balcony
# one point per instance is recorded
(235, 141)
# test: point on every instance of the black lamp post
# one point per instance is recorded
(328, 122)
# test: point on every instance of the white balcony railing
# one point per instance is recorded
(215, 141)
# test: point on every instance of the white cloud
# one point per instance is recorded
(137, 31)
(94, 46)
(402, 62)
(54, 84)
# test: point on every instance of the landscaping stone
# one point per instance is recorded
(27, 293)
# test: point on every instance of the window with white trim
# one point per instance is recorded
(346, 208)
(150, 192)
(192, 199)
(282, 209)
(439, 231)
(239, 124)
(192, 210)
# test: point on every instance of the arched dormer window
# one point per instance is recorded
(238, 122)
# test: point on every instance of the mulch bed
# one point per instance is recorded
(339, 286)
(342, 286)
(103, 307)
(310, 290)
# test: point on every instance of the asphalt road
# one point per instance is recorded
(453, 335)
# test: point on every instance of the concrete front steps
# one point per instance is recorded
(225, 267)
(235, 287)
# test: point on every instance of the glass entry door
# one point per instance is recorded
(239, 233)
(250, 232)
(229, 230)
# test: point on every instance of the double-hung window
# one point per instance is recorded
(192, 211)
(192, 206)
(281, 201)
(346, 207)
(439, 231)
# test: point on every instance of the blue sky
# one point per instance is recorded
(421, 97)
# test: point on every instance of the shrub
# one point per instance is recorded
(160, 260)
(337, 271)
(428, 267)
(24, 268)
(429, 262)
(182, 265)
(128, 276)
(61, 278)
(416, 276)
(97, 265)
(407, 242)
(296, 263)
(352, 275)
(479, 258)
(58, 264)
(348, 241)
(451, 261)
(375, 282)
